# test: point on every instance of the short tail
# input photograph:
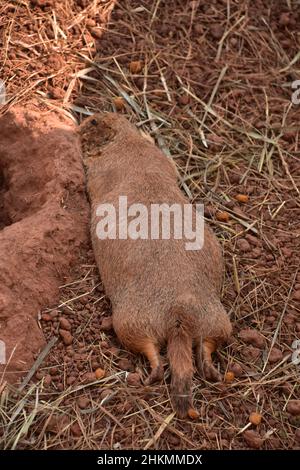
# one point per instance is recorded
(180, 357)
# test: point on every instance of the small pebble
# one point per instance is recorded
(76, 430)
(253, 439)
(242, 198)
(65, 324)
(125, 364)
(193, 414)
(236, 369)
(216, 31)
(47, 380)
(71, 380)
(284, 19)
(253, 337)
(46, 317)
(229, 377)
(66, 337)
(222, 216)
(134, 379)
(243, 245)
(83, 402)
(100, 373)
(119, 103)
(293, 407)
(136, 66)
(183, 99)
(255, 418)
(275, 355)
(88, 377)
(296, 295)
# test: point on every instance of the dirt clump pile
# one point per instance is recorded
(43, 225)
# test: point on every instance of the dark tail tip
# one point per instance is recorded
(181, 394)
(180, 357)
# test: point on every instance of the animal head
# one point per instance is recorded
(99, 130)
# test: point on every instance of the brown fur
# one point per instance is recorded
(160, 292)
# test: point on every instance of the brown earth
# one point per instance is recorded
(240, 58)
(43, 225)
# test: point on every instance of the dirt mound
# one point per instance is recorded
(43, 224)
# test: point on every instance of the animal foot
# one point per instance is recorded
(156, 375)
(210, 372)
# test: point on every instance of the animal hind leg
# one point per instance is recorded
(205, 366)
(151, 351)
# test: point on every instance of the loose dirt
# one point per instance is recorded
(44, 220)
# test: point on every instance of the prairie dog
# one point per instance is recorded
(161, 293)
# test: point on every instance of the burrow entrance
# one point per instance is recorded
(4, 216)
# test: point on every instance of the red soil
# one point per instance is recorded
(43, 224)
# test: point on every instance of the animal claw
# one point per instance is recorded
(210, 372)
(156, 375)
